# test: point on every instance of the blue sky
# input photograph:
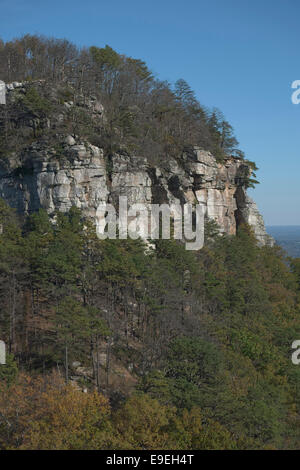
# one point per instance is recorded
(238, 55)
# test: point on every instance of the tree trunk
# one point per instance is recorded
(67, 364)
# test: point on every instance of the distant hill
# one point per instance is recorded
(287, 236)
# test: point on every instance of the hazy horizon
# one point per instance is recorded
(287, 236)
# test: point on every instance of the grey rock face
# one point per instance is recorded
(130, 178)
(2, 353)
(248, 212)
(2, 92)
(221, 189)
(78, 175)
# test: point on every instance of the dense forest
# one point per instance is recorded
(113, 344)
(142, 114)
(196, 344)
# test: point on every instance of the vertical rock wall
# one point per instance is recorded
(79, 176)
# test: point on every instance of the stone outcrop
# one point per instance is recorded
(75, 173)
(78, 175)
(248, 212)
(2, 93)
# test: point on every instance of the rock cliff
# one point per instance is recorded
(78, 174)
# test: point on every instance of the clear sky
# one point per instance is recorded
(238, 55)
